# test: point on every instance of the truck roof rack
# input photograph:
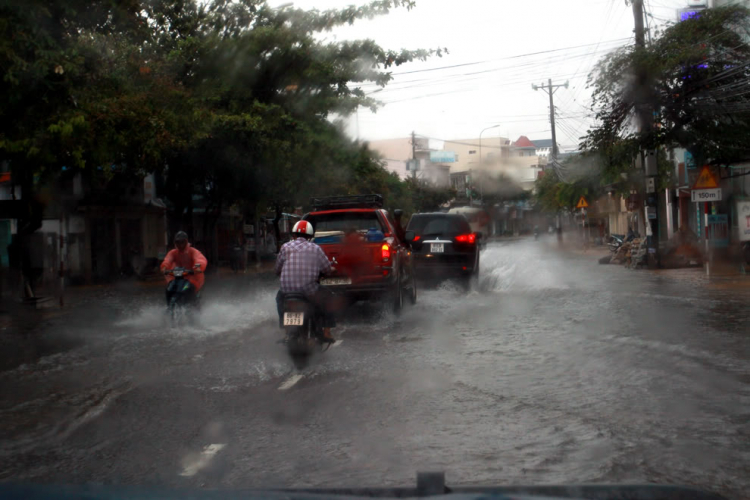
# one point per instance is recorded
(354, 201)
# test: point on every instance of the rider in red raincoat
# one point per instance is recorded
(188, 257)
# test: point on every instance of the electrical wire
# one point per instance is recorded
(503, 58)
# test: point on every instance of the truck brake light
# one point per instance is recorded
(385, 251)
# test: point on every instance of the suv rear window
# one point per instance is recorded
(439, 224)
(343, 221)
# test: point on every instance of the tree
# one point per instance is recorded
(698, 74)
(563, 185)
(270, 86)
(426, 197)
(228, 100)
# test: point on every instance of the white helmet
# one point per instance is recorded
(304, 228)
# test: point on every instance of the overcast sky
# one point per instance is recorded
(486, 78)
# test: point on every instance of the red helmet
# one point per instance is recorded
(304, 228)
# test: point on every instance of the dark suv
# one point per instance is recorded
(444, 246)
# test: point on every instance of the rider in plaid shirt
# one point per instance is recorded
(299, 264)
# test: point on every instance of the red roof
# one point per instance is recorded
(523, 142)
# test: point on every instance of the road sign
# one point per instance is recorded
(705, 195)
(582, 203)
(706, 179)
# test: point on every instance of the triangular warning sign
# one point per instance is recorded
(706, 179)
(582, 203)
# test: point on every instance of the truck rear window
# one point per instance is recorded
(344, 221)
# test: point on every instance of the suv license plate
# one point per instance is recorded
(294, 319)
(437, 247)
(336, 281)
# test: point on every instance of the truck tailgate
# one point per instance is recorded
(362, 261)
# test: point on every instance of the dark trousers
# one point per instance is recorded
(321, 300)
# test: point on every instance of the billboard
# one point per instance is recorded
(442, 157)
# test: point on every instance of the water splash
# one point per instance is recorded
(520, 267)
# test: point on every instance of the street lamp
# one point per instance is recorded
(481, 181)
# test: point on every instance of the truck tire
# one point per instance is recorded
(413, 290)
(398, 298)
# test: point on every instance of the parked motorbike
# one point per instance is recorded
(615, 242)
(304, 331)
(184, 299)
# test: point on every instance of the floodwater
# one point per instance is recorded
(555, 370)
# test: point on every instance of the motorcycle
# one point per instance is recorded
(304, 330)
(615, 242)
(184, 299)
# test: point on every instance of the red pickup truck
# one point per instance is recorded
(362, 241)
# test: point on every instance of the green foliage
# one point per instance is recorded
(229, 99)
(583, 177)
(694, 75)
(427, 198)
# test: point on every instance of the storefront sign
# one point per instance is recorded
(442, 156)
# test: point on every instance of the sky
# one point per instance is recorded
(497, 50)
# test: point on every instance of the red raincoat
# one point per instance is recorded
(187, 259)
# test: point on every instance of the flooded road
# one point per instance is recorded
(556, 370)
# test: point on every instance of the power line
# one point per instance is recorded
(515, 70)
(504, 58)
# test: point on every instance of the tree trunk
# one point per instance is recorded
(208, 239)
(256, 236)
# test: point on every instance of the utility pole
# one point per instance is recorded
(648, 157)
(550, 90)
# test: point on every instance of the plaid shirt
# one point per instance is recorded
(300, 263)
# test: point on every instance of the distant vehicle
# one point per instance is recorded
(361, 239)
(444, 246)
(479, 219)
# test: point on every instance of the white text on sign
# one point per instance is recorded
(705, 194)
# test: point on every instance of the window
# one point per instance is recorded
(439, 224)
(342, 221)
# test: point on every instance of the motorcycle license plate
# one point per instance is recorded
(437, 247)
(336, 281)
(294, 319)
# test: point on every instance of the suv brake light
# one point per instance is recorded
(385, 251)
(466, 238)
(416, 238)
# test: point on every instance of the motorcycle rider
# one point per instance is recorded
(299, 265)
(188, 257)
